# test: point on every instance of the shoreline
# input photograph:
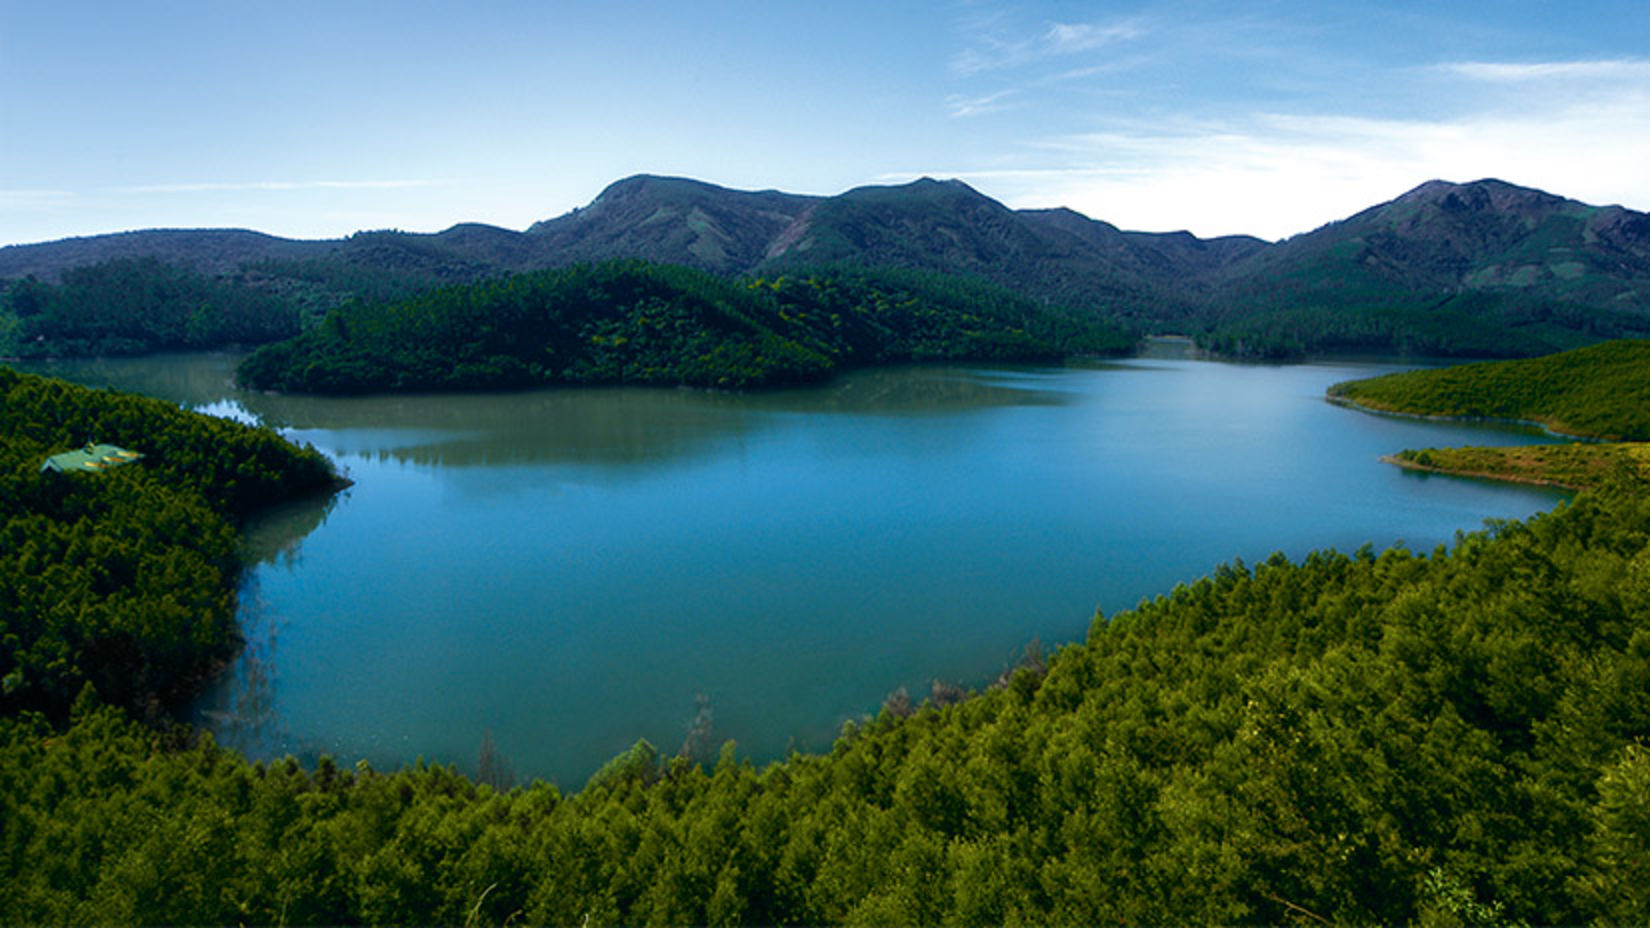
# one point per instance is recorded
(1402, 464)
(1555, 432)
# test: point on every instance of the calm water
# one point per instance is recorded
(569, 570)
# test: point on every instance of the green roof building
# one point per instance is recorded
(93, 458)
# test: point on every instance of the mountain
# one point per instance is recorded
(210, 251)
(672, 220)
(1480, 268)
(1054, 255)
(947, 226)
(1443, 238)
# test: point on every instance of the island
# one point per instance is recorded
(634, 322)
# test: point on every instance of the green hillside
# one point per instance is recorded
(124, 580)
(1454, 737)
(137, 306)
(1602, 391)
(634, 322)
(1479, 269)
(1575, 467)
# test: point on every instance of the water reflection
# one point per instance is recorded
(605, 426)
(241, 707)
(556, 573)
(192, 380)
(277, 534)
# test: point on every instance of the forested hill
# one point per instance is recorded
(1451, 737)
(124, 580)
(1051, 255)
(1602, 391)
(137, 306)
(1476, 269)
(1480, 269)
(634, 322)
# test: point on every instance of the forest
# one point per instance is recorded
(628, 321)
(858, 309)
(1573, 466)
(1454, 737)
(1596, 393)
(1600, 391)
(137, 306)
(125, 580)
(1283, 325)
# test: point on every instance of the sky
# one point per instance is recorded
(318, 119)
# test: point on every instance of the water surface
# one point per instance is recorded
(570, 569)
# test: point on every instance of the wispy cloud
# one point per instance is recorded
(273, 185)
(1276, 174)
(960, 107)
(1279, 164)
(300, 209)
(993, 48)
(33, 195)
(1068, 38)
(1615, 70)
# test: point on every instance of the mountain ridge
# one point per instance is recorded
(1441, 264)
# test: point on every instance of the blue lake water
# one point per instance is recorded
(569, 570)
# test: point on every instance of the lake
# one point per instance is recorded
(568, 570)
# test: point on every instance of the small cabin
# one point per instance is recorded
(94, 458)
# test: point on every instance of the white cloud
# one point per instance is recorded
(1068, 38)
(991, 51)
(274, 185)
(1614, 70)
(1579, 129)
(1276, 175)
(27, 196)
(298, 209)
(959, 107)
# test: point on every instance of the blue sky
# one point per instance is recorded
(317, 119)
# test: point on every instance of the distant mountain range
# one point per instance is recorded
(1484, 267)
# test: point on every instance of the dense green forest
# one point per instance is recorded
(1575, 466)
(1287, 325)
(1454, 737)
(124, 580)
(136, 306)
(634, 322)
(1601, 391)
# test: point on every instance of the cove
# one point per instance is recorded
(565, 571)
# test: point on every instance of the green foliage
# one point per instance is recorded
(369, 267)
(1574, 466)
(1480, 269)
(1454, 738)
(638, 763)
(632, 322)
(1602, 391)
(1458, 327)
(124, 580)
(139, 305)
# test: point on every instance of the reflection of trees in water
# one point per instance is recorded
(492, 768)
(275, 535)
(617, 426)
(696, 746)
(242, 710)
(241, 705)
(600, 426)
(192, 379)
